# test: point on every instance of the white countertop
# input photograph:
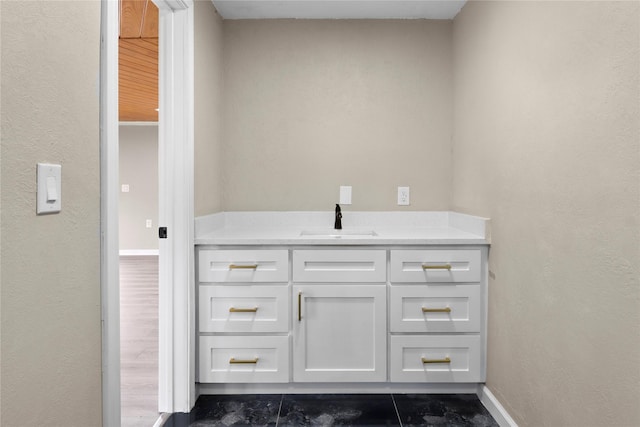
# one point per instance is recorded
(316, 228)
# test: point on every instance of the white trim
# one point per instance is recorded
(109, 193)
(165, 271)
(339, 388)
(175, 154)
(162, 420)
(494, 407)
(138, 123)
(139, 252)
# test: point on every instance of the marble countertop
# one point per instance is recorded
(359, 228)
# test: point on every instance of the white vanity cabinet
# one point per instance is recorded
(340, 305)
(332, 318)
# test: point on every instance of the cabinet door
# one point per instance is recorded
(339, 333)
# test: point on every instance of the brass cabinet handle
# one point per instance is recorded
(299, 306)
(436, 267)
(243, 310)
(234, 361)
(243, 266)
(445, 360)
(436, 310)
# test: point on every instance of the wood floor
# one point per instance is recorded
(139, 340)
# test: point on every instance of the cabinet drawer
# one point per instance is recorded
(243, 265)
(246, 359)
(426, 358)
(243, 308)
(435, 265)
(434, 308)
(339, 265)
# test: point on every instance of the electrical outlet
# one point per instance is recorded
(345, 194)
(125, 188)
(403, 196)
(149, 223)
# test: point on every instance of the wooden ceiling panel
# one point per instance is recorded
(138, 61)
(150, 24)
(138, 75)
(131, 18)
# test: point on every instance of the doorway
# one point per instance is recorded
(176, 385)
(138, 211)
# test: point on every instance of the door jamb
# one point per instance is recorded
(109, 211)
(176, 142)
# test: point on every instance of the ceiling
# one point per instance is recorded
(138, 61)
(339, 9)
(138, 44)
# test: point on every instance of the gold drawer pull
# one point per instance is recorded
(243, 310)
(243, 266)
(234, 361)
(445, 360)
(436, 310)
(436, 267)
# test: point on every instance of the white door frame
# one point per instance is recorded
(176, 291)
(175, 150)
(109, 242)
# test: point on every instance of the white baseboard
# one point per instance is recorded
(494, 407)
(335, 388)
(162, 419)
(139, 252)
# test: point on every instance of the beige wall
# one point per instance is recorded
(208, 109)
(546, 143)
(139, 170)
(50, 265)
(312, 105)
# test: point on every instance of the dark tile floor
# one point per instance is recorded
(298, 410)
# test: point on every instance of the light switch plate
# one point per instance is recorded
(49, 191)
(345, 194)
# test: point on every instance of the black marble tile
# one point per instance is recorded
(236, 410)
(450, 410)
(178, 420)
(299, 410)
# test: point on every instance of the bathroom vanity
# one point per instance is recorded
(394, 301)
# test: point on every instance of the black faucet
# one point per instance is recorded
(338, 224)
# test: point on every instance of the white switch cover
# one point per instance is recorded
(125, 188)
(148, 223)
(403, 196)
(345, 195)
(49, 192)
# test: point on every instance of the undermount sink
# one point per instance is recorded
(337, 234)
